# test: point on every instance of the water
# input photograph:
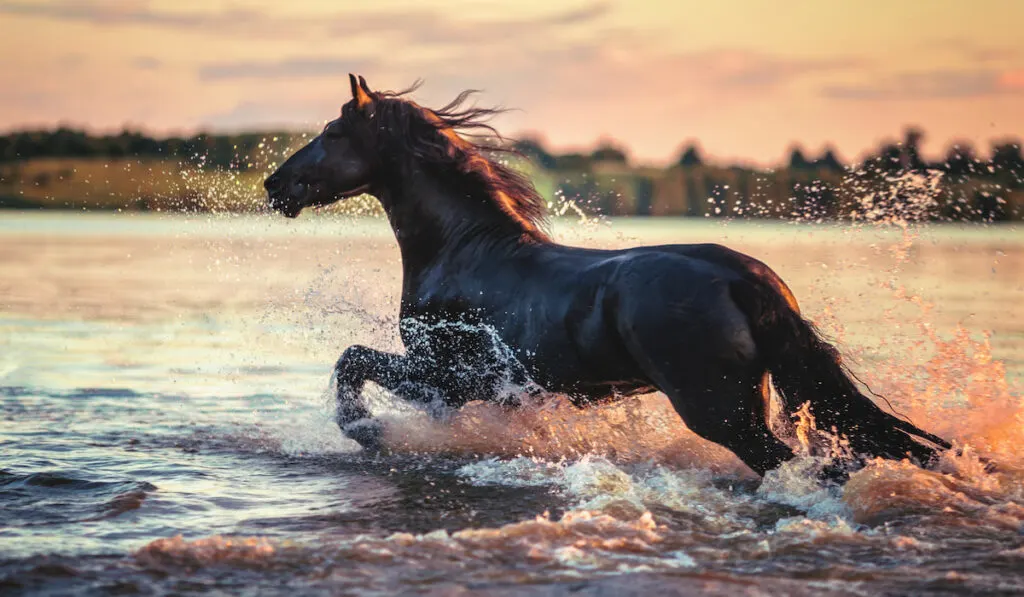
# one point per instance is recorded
(164, 426)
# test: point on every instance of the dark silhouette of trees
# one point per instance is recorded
(690, 157)
(533, 150)
(829, 162)
(971, 186)
(201, 149)
(911, 157)
(606, 152)
(575, 162)
(1007, 160)
(961, 162)
(890, 158)
(797, 160)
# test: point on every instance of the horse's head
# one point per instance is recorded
(382, 138)
(337, 164)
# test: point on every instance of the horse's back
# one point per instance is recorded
(746, 267)
(675, 302)
(669, 292)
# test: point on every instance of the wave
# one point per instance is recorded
(56, 498)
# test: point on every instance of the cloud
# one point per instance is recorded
(432, 28)
(147, 63)
(292, 68)
(1012, 80)
(573, 79)
(561, 47)
(410, 26)
(572, 63)
(12, 98)
(744, 69)
(972, 50)
(930, 85)
(270, 114)
(133, 13)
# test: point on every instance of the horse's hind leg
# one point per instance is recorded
(728, 409)
(719, 393)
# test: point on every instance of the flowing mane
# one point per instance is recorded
(458, 137)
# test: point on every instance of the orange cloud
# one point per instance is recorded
(745, 77)
(1012, 80)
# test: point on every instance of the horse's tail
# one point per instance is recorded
(807, 369)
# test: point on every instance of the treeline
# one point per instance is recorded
(203, 149)
(894, 180)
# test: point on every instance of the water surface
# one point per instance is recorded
(165, 426)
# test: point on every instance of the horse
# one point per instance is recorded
(489, 299)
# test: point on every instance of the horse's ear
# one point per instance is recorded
(362, 83)
(359, 92)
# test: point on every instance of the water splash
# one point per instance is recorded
(948, 383)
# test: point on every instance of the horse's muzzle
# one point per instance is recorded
(282, 195)
(287, 207)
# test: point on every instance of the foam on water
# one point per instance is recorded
(579, 541)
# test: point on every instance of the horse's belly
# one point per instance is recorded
(588, 377)
(584, 395)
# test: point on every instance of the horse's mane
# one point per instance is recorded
(458, 137)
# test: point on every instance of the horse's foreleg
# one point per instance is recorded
(357, 365)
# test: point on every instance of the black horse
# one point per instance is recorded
(489, 299)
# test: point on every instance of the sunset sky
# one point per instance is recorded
(747, 78)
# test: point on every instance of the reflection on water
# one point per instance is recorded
(165, 426)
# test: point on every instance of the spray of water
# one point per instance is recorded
(624, 458)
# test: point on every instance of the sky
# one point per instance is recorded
(746, 79)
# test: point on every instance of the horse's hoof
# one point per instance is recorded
(368, 433)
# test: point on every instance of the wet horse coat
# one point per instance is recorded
(488, 299)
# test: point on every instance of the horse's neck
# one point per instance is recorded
(433, 220)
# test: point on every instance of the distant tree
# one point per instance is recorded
(912, 149)
(138, 145)
(31, 144)
(961, 161)
(572, 161)
(173, 147)
(797, 160)
(643, 186)
(69, 142)
(116, 146)
(690, 157)
(534, 151)
(890, 158)
(216, 150)
(828, 161)
(1007, 158)
(606, 152)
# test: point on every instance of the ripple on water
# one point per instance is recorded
(54, 498)
(264, 491)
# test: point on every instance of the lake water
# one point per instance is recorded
(165, 426)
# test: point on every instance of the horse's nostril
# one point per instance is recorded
(273, 182)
